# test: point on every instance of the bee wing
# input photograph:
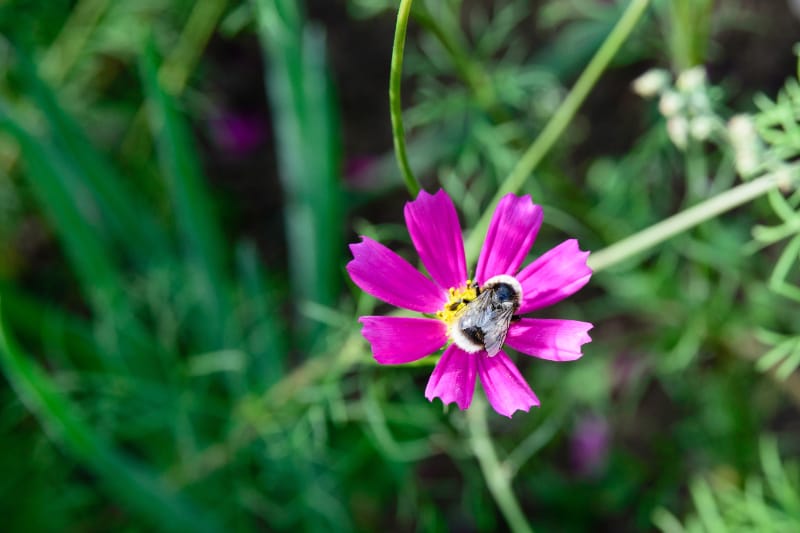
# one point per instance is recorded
(496, 329)
(483, 324)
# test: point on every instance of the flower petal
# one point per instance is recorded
(505, 387)
(514, 226)
(433, 225)
(559, 273)
(549, 338)
(385, 275)
(453, 379)
(397, 340)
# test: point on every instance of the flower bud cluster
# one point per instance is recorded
(686, 104)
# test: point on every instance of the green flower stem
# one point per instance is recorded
(395, 109)
(696, 171)
(496, 474)
(657, 233)
(560, 119)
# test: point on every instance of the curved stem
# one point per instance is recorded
(688, 218)
(496, 474)
(395, 109)
(560, 119)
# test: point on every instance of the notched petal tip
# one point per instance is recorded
(582, 254)
(423, 196)
(506, 389)
(462, 404)
(435, 230)
(353, 246)
(512, 231)
(521, 409)
(549, 338)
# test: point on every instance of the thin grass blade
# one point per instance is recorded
(305, 119)
(133, 224)
(131, 484)
(198, 231)
(265, 327)
(72, 215)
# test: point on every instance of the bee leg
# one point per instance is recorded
(516, 318)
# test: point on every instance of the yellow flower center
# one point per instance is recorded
(456, 301)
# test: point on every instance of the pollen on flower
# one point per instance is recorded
(456, 301)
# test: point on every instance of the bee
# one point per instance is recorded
(482, 324)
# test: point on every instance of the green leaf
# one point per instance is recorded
(263, 323)
(198, 231)
(71, 212)
(306, 123)
(55, 327)
(132, 224)
(131, 484)
(75, 211)
(706, 506)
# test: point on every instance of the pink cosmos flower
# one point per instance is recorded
(436, 233)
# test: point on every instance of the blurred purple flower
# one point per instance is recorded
(359, 171)
(435, 231)
(626, 371)
(237, 134)
(589, 445)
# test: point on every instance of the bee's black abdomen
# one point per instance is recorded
(475, 334)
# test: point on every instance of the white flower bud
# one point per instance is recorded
(783, 177)
(651, 83)
(692, 79)
(741, 129)
(698, 102)
(678, 131)
(670, 103)
(746, 144)
(701, 127)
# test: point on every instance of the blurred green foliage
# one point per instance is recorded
(165, 369)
